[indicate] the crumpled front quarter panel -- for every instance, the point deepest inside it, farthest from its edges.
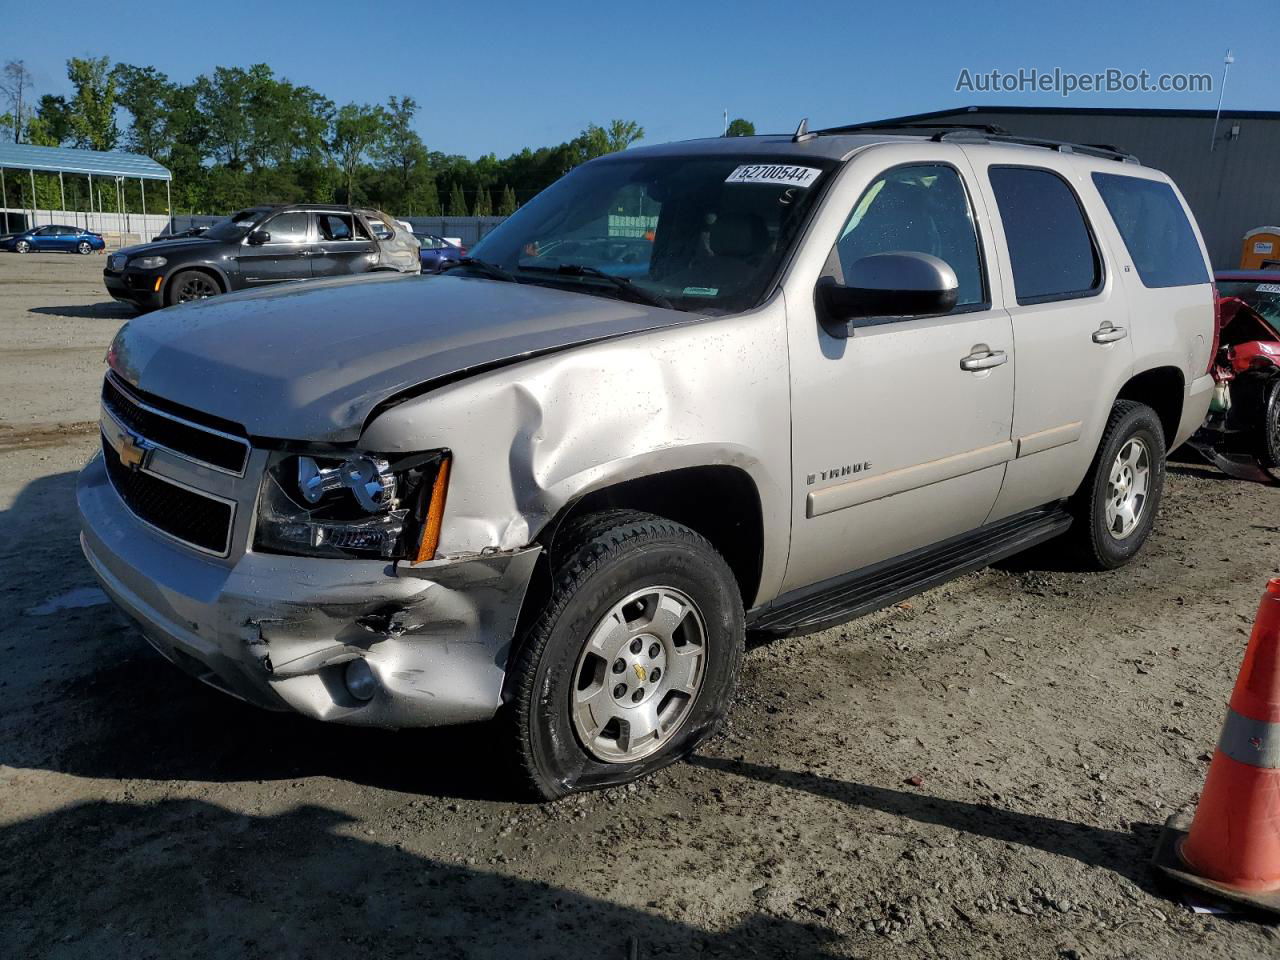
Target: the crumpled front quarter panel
(529, 438)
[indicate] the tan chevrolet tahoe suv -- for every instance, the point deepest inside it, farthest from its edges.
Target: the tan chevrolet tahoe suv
(763, 383)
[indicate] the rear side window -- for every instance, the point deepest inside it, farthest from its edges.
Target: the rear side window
(1155, 229)
(1050, 247)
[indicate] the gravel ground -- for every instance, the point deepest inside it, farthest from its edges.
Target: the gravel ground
(979, 772)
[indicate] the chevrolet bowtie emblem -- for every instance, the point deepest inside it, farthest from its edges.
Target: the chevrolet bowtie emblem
(131, 452)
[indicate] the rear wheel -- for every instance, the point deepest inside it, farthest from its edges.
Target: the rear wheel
(22, 246)
(84, 247)
(1268, 435)
(191, 285)
(1116, 505)
(632, 659)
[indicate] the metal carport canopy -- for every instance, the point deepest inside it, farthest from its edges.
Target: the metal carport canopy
(24, 156)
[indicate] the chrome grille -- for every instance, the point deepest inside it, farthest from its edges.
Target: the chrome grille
(193, 518)
(163, 428)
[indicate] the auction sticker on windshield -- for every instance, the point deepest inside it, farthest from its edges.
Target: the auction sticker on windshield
(776, 173)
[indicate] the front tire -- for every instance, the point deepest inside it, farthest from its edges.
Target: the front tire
(1116, 505)
(188, 285)
(22, 246)
(632, 659)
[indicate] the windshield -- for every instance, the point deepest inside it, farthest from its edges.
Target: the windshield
(235, 226)
(706, 233)
(1263, 297)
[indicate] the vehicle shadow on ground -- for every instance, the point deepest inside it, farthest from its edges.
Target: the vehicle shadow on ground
(1125, 853)
(185, 877)
(107, 310)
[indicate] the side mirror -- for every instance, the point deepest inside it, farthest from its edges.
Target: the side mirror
(259, 237)
(887, 285)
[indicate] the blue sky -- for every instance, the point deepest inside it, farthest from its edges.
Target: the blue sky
(498, 76)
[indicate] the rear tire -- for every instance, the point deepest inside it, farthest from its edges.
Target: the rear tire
(1115, 508)
(632, 659)
(1268, 433)
(84, 247)
(188, 285)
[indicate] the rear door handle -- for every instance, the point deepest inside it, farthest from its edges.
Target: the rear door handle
(1109, 334)
(981, 360)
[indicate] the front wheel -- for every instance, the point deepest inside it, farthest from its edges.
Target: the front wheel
(22, 246)
(1116, 505)
(632, 659)
(192, 285)
(84, 247)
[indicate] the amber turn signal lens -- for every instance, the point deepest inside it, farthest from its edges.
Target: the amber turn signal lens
(435, 515)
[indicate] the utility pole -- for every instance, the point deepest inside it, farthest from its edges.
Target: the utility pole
(1227, 61)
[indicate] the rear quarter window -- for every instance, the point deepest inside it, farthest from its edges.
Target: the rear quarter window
(1155, 230)
(1051, 248)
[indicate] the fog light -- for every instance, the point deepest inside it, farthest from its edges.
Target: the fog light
(360, 680)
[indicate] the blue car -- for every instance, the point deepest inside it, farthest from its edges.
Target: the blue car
(437, 253)
(54, 237)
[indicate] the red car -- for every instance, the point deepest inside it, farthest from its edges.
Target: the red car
(1242, 434)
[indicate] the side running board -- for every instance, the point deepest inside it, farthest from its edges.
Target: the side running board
(842, 598)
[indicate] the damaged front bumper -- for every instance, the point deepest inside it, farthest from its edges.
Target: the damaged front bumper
(279, 631)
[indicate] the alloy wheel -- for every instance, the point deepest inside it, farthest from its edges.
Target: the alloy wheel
(639, 674)
(197, 287)
(1128, 484)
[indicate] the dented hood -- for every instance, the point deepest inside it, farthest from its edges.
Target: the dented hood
(311, 362)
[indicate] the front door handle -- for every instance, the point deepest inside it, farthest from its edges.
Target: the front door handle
(1108, 333)
(983, 359)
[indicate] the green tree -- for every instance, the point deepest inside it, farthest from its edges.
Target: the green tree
(457, 202)
(50, 125)
(401, 150)
(223, 102)
(621, 134)
(740, 128)
(93, 106)
(356, 128)
(484, 204)
(426, 200)
(144, 92)
(507, 206)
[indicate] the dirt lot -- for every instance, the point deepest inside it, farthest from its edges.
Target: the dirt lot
(1053, 720)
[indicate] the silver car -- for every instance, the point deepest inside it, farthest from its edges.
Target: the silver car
(558, 484)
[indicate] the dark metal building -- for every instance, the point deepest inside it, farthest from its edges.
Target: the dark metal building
(1232, 188)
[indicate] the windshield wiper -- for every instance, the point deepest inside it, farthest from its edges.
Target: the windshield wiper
(638, 294)
(490, 270)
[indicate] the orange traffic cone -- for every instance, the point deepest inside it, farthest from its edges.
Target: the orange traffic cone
(1232, 849)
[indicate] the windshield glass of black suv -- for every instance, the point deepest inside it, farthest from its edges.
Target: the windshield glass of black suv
(707, 233)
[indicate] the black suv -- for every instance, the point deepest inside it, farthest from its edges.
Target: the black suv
(260, 246)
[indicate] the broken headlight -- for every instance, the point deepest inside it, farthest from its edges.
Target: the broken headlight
(358, 505)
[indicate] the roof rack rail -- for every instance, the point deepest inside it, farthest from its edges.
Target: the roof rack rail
(920, 127)
(1104, 150)
(986, 133)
